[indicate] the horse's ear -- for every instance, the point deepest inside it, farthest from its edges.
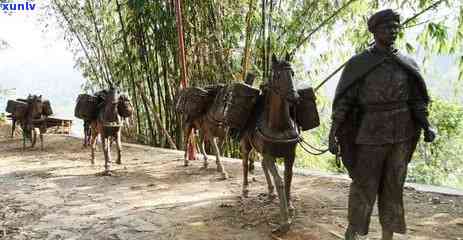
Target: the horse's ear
(40, 97)
(288, 57)
(274, 58)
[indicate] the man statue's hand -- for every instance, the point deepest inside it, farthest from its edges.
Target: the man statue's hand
(332, 143)
(429, 135)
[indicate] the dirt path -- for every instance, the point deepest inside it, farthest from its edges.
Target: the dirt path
(57, 194)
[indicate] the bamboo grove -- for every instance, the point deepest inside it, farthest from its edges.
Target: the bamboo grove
(134, 43)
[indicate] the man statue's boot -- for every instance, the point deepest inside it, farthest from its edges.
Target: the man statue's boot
(387, 235)
(351, 234)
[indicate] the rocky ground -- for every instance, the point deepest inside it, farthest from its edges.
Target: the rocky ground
(58, 194)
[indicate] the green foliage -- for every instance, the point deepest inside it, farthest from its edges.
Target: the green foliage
(2, 118)
(440, 162)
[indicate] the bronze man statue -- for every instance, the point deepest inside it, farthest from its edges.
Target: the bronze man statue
(379, 109)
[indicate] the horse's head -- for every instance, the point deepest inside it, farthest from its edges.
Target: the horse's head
(282, 82)
(110, 112)
(124, 108)
(36, 106)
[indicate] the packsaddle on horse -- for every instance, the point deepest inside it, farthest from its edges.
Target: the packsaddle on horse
(201, 111)
(105, 113)
(31, 114)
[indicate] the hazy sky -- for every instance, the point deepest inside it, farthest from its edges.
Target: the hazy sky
(37, 63)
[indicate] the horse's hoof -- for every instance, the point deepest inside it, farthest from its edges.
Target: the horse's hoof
(185, 164)
(245, 193)
(204, 167)
(291, 210)
(351, 235)
(251, 169)
(282, 229)
(118, 162)
(224, 176)
(107, 173)
(271, 196)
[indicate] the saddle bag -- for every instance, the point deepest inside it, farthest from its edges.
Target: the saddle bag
(124, 108)
(306, 110)
(47, 110)
(213, 90)
(193, 101)
(10, 106)
(17, 108)
(240, 105)
(86, 107)
(216, 111)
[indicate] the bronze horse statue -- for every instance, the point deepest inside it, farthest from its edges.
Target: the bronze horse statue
(210, 130)
(31, 120)
(108, 124)
(273, 133)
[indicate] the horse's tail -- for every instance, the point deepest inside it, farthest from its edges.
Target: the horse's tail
(13, 128)
(87, 127)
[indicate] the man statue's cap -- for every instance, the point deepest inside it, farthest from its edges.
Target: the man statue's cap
(382, 17)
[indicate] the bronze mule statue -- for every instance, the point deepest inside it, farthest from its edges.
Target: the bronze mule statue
(31, 118)
(210, 130)
(273, 133)
(108, 124)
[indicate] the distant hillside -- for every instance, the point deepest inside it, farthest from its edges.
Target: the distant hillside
(54, 78)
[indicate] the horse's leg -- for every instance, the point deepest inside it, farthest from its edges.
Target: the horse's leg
(42, 131)
(34, 137)
(285, 220)
(107, 154)
(87, 133)
(289, 162)
(188, 130)
(85, 143)
(245, 150)
(103, 146)
(13, 127)
(93, 139)
(202, 140)
(270, 187)
(89, 137)
(24, 137)
(251, 167)
(220, 167)
(118, 146)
